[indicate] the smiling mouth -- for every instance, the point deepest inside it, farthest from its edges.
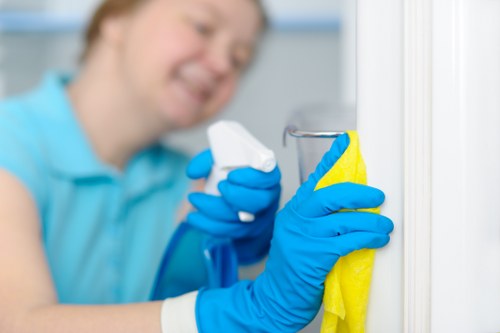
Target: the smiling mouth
(195, 92)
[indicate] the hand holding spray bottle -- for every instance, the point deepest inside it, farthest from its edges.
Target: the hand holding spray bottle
(234, 147)
(194, 257)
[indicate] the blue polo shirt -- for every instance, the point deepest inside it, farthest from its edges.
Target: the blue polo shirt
(104, 231)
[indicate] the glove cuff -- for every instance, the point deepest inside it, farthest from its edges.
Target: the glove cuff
(178, 314)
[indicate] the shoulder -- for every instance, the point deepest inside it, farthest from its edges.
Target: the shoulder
(18, 122)
(19, 134)
(21, 151)
(15, 110)
(26, 120)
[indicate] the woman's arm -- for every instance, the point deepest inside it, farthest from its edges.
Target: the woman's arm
(28, 301)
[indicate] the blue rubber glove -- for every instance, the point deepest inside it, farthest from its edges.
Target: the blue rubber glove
(246, 190)
(308, 240)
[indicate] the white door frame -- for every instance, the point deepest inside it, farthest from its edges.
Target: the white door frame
(380, 126)
(418, 83)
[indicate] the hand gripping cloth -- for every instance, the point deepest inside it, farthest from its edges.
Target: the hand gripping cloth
(347, 286)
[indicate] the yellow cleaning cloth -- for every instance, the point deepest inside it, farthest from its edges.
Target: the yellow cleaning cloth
(347, 286)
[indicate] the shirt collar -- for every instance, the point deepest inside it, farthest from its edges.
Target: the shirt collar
(70, 153)
(156, 166)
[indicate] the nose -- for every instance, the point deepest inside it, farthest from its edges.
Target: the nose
(218, 59)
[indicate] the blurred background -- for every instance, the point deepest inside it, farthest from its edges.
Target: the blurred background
(307, 58)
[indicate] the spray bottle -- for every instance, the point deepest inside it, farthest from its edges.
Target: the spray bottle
(194, 259)
(234, 147)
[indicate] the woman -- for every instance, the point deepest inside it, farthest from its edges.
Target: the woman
(88, 196)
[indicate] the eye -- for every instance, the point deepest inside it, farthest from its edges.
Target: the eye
(203, 29)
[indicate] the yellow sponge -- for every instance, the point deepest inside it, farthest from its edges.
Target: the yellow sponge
(347, 286)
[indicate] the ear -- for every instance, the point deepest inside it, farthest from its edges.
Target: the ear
(113, 29)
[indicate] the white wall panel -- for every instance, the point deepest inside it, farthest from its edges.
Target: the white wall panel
(466, 167)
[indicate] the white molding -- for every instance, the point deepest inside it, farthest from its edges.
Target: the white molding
(418, 154)
(380, 126)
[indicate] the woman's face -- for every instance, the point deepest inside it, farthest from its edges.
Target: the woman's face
(183, 58)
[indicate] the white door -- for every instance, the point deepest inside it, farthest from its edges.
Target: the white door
(429, 117)
(466, 167)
